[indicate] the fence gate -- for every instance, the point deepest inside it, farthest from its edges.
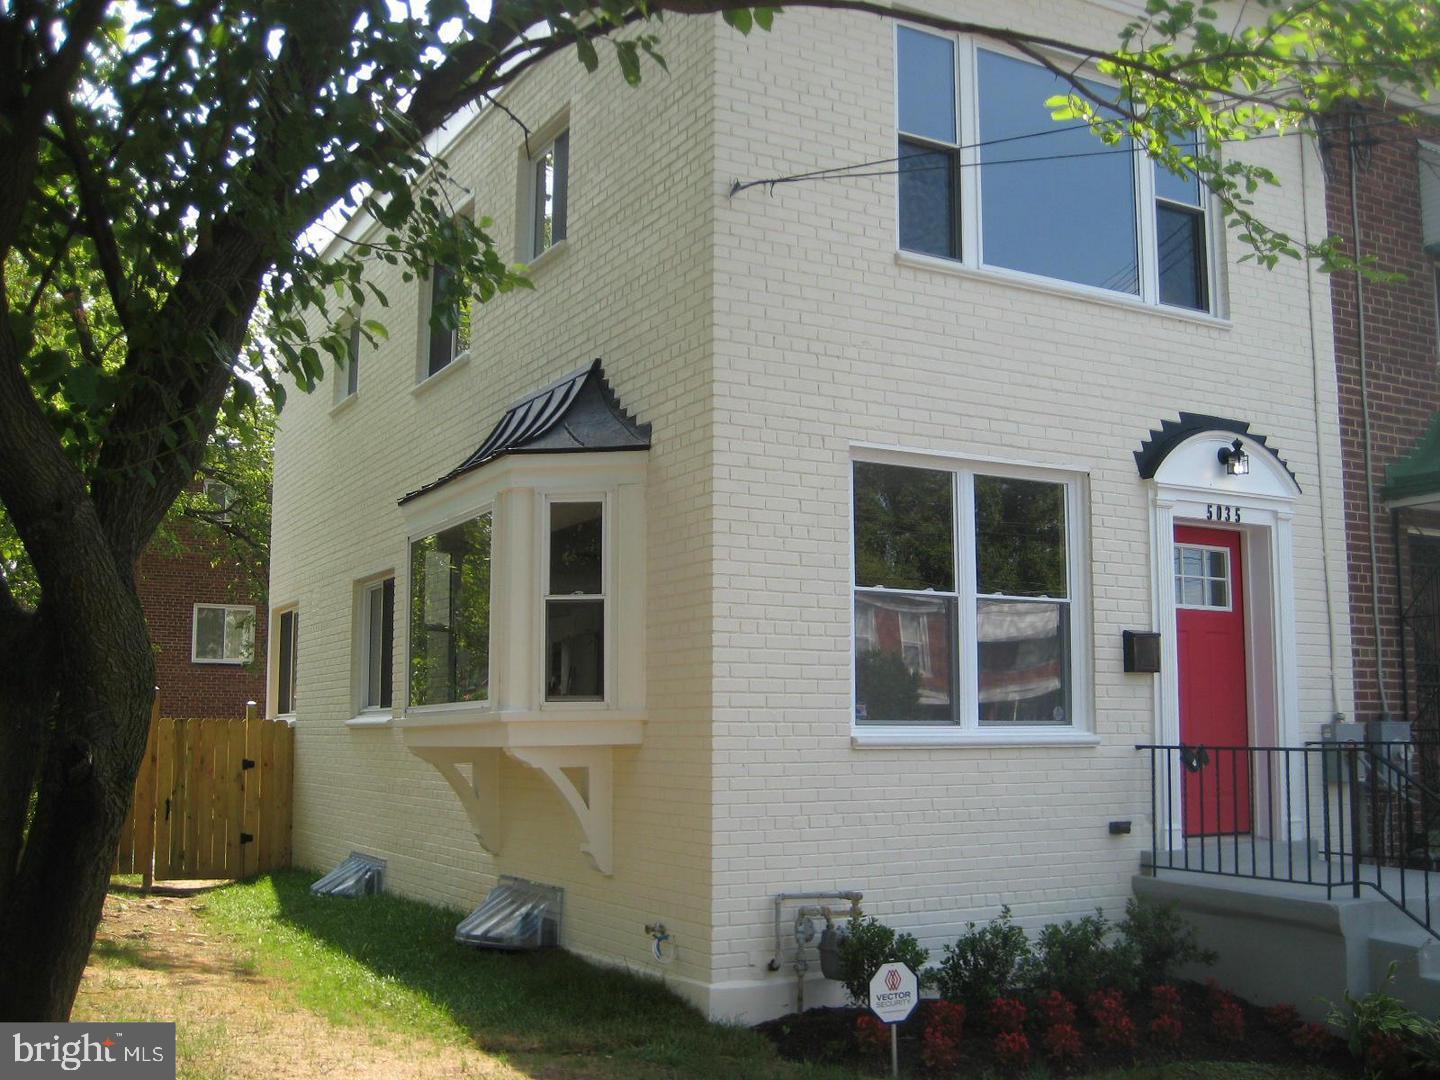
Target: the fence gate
(212, 800)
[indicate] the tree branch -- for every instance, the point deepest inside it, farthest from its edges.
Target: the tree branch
(96, 220)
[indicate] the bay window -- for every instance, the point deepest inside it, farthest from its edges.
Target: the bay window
(964, 596)
(450, 615)
(575, 603)
(988, 179)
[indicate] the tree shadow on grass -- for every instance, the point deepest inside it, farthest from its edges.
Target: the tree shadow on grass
(530, 1007)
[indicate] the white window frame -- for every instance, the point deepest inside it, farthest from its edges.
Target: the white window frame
(347, 375)
(488, 704)
(965, 653)
(967, 120)
(531, 248)
(544, 595)
(1209, 549)
(221, 495)
(368, 592)
(234, 661)
(277, 617)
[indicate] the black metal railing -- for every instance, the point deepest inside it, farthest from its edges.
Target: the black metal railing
(1345, 816)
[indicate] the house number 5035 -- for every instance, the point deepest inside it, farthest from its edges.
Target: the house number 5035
(1221, 512)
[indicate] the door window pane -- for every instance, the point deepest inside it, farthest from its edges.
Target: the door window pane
(904, 646)
(1019, 537)
(1057, 202)
(904, 527)
(1202, 577)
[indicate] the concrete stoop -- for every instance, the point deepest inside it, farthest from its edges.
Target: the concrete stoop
(1283, 942)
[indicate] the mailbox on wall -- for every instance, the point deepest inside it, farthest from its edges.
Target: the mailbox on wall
(1142, 650)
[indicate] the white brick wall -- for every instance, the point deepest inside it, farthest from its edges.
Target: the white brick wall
(762, 336)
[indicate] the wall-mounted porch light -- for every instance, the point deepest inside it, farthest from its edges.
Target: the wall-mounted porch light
(1235, 459)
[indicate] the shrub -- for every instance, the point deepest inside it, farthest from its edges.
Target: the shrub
(1166, 1029)
(948, 1018)
(1062, 1044)
(870, 943)
(1228, 1020)
(1006, 1014)
(1165, 999)
(1312, 1040)
(1104, 1001)
(1282, 1017)
(1158, 940)
(1075, 958)
(1113, 1024)
(939, 1051)
(1387, 1055)
(871, 1034)
(1056, 1008)
(984, 963)
(1383, 1032)
(1012, 1050)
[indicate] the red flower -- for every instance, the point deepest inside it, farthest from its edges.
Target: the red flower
(1057, 1008)
(1311, 1039)
(939, 1052)
(1105, 1001)
(1062, 1044)
(1282, 1017)
(871, 1034)
(1385, 1054)
(1006, 1014)
(1228, 1020)
(1012, 1050)
(1166, 1029)
(1166, 999)
(1115, 1028)
(947, 1018)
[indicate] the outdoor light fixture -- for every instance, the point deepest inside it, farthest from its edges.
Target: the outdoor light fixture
(1235, 459)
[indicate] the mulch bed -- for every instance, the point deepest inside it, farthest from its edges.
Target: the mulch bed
(829, 1036)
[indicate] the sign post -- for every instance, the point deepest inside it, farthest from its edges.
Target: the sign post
(894, 993)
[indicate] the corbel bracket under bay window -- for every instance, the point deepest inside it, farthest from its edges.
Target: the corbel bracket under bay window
(591, 802)
(474, 775)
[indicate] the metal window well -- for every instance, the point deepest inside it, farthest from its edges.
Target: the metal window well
(359, 875)
(517, 915)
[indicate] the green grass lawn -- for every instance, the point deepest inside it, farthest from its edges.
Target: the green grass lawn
(392, 963)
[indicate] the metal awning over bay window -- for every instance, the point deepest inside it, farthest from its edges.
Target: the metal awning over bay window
(526, 605)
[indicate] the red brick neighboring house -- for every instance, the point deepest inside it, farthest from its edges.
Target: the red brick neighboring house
(1388, 364)
(177, 584)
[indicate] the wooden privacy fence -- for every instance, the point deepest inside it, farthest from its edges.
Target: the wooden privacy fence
(212, 800)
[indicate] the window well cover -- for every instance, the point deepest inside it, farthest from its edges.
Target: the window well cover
(359, 875)
(517, 915)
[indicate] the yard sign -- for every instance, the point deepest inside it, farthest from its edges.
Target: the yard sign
(894, 993)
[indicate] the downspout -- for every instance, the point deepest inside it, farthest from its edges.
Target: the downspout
(1360, 346)
(1336, 714)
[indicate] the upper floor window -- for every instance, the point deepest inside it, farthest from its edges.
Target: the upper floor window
(450, 614)
(575, 603)
(989, 179)
(347, 375)
(447, 323)
(549, 191)
(223, 634)
(964, 602)
(287, 651)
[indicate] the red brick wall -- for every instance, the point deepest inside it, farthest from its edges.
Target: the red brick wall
(170, 584)
(1401, 355)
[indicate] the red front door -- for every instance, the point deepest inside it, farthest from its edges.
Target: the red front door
(1214, 722)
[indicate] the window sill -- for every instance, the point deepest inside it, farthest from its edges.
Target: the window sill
(911, 737)
(344, 403)
(287, 718)
(553, 254)
(1054, 287)
(430, 380)
(370, 719)
(223, 663)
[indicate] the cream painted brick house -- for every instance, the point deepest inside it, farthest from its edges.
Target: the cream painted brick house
(761, 681)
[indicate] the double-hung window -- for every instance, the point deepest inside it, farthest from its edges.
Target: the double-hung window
(988, 179)
(450, 614)
(223, 634)
(964, 596)
(549, 194)
(377, 651)
(448, 323)
(347, 381)
(287, 652)
(575, 602)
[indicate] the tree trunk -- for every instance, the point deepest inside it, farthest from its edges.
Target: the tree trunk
(94, 704)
